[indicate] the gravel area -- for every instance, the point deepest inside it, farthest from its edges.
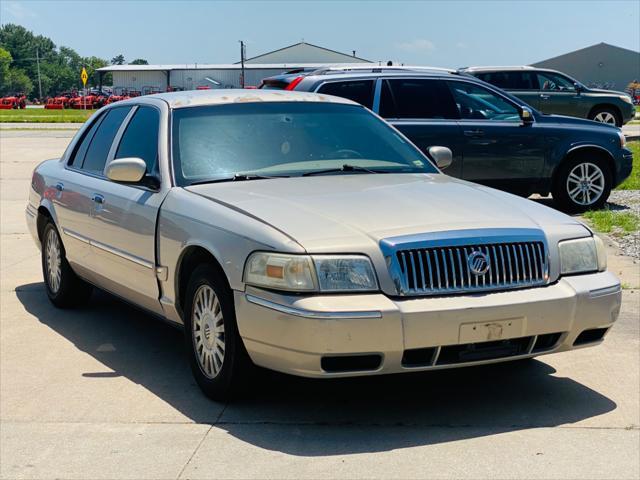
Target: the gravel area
(626, 201)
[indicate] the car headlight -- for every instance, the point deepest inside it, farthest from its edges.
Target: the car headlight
(304, 273)
(582, 255)
(623, 139)
(626, 98)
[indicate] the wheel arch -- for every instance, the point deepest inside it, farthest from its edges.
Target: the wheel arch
(603, 106)
(191, 257)
(580, 150)
(44, 215)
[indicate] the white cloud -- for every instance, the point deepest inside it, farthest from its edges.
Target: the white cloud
(417, 45)
(17, 10)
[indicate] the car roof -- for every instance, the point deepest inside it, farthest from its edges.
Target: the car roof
(192, 98)
(503, 69)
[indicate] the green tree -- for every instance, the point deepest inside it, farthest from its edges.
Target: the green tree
(5, 63)
(118, 60)
(139, 61)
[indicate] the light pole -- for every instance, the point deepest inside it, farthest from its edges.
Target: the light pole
(39, 80)
(242, 63)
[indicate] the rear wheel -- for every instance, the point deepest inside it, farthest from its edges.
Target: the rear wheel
(218, 359)
(582, 184)
(606, 115)
(64, 288)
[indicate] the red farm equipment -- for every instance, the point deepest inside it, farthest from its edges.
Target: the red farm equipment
(59, 102)
(88, 102)
(12, 102)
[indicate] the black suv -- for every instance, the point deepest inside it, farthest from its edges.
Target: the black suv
(496, 139)
(554, 92)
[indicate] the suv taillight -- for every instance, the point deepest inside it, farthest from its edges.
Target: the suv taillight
(294, 83)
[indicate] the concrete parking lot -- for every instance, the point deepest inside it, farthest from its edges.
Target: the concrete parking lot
(105, 392)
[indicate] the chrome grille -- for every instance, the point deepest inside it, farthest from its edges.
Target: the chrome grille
(444, 267)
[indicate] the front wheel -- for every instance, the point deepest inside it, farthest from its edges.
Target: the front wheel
(606, 115)
(64, 288)
(218, 359)
(582, 184)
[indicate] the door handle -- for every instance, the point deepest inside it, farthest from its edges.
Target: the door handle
(474, 133)
(97, 198)
(544, 96)
(59, 186)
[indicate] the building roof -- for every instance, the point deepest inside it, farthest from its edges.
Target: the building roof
(216, 66)
(597, 46)
(296, 46)
(225, 96)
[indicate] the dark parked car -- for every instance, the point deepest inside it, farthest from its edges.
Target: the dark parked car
(496, 139)
(555, 92)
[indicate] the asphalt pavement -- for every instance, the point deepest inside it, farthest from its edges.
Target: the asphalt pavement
(105, 392)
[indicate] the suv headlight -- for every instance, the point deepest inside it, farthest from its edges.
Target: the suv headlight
(626, 98)
(306, 273)
(582, 255)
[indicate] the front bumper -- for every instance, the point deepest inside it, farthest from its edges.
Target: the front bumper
(296, 335)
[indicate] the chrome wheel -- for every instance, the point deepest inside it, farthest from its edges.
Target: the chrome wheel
(207, 328)
(53, 260)
(605, 117)
(585, 184)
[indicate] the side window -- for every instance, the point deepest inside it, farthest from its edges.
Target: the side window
(81, 149)
(477, 103)
(140, 139)
(514, 80)
(554, 82)
(96, 155)
(417, 98)
(360, 91)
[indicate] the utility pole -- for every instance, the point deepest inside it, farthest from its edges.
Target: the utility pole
(39, 80)
(242, 63)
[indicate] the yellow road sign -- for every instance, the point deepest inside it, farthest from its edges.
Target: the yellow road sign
(84, 77)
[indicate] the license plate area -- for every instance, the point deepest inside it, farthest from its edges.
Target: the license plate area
(491, 331)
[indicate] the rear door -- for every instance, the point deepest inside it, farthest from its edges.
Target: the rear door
(521, 83)
(125, 215)
(499, 149)
(423, 109)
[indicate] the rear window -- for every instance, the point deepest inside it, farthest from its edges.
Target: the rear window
(417, 98)
(510, 80)
(360, 91)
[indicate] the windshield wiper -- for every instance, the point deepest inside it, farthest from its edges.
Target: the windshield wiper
(345, 168)
(238, 177)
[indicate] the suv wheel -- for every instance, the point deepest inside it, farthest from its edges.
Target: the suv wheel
(582, 184)
(64, 287)
(606, 115)
(218, 359)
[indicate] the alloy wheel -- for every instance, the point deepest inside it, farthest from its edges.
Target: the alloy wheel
(53, 260)
(585, 183)
(207, 327)
(605, 117)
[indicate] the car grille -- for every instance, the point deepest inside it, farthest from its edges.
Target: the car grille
(459, 267)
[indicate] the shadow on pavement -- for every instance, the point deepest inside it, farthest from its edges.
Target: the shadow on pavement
(323, 417)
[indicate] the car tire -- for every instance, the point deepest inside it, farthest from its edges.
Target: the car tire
(64, 288)
(217, 356)
(582, 183)
(606, 115)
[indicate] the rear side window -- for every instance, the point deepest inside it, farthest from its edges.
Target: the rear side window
(140, 139)
(94, 156)
(511, 80)
(417, 98)
(81, 150)
(360, 91)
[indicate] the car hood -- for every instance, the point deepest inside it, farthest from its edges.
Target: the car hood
(606, 92)
(578, 122)
(339, 212)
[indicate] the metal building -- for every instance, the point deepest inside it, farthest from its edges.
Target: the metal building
(600, 66)
(154, 78)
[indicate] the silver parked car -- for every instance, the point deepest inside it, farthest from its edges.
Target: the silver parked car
(302, 233)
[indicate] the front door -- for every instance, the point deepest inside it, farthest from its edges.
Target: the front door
(558, 95)
(424, 111)
(499, 149)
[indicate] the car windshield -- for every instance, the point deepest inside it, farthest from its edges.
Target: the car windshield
(287, 139)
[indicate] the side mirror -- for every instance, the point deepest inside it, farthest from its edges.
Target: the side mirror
(578, 86)
(126, 170)
(526, 115)
(442, 156)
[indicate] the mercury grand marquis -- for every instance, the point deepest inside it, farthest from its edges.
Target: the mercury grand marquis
(302, 233)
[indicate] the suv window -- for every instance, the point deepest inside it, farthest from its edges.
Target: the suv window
(101, 140)
(477, 103)
(360, 91)
(555, 82)
(416, 98)
(140, 139)
(511, 80)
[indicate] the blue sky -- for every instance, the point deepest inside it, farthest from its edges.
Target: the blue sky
(439, 33)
